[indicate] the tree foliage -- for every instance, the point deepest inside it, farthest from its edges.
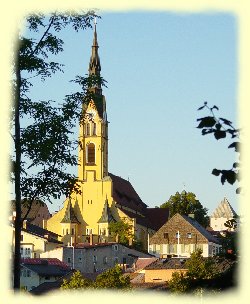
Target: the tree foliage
(110, 279)
(221, 128)
(199, 269)
(187, 203)
(76, 281)
(123, 230)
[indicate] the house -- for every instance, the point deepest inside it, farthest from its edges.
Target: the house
(180, 236)
(162, 269)
(35, 240)
(104, 197)
(96, 257)
(221, 215)
(37, 271)
(38, 213)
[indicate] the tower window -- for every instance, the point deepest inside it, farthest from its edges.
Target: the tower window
(88, 129)
(91, 153)
(94, 128)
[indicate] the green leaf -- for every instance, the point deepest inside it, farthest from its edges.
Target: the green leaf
(206, 122)
(216, 172)
(218, 134)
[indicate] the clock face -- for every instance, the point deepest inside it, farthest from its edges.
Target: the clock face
(91, 115)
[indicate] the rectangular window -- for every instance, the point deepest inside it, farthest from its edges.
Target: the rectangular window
(177, 235)
(94, 258)
(165, 235)
(189, 235)
(69, 260)
(72, 231)
(115, 247)
(105, 260)
(89, 231)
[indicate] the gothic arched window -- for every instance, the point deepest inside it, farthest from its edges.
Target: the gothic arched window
(90, 153)
(87, 129)
(94, 128)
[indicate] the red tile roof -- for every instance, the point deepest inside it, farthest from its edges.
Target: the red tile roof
(42, 261)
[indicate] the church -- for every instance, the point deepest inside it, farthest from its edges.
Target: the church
(104, 197)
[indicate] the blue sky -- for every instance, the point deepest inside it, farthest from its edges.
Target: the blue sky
(160, 67)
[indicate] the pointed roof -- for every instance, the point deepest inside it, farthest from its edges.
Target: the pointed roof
(69, 216)
(176, 223)
(94, 64)
(107, 216)
(224, 210)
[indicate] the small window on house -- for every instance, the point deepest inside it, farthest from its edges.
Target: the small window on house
(67, 231)
(69, 260)
(165, 235)
(72, 231)
(189, 235)
(105, 260)
(91, 153)
(94, 258)
(177, 235)
(115, 247)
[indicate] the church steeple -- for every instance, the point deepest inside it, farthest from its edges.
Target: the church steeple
(94, 63)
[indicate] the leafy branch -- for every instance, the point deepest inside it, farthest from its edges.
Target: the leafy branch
(221, 128)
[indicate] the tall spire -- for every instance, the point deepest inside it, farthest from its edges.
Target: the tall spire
(94, 64)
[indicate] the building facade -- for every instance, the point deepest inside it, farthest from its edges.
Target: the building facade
(181, 236)
(97, 257)
(221, 215)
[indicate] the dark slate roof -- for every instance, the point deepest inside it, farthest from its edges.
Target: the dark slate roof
(172, 263)
(41, 232)
(46, 267)
(222, 264)
(69, 215)
(125, 195)
(157, 217)
(107, 216)
(36, 205)
(141, 220)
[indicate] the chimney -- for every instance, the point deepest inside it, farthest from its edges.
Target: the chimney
(25, 224)
(91, 239)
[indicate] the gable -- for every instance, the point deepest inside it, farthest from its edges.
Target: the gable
(185, 225)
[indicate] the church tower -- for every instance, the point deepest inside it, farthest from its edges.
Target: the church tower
(93, 151)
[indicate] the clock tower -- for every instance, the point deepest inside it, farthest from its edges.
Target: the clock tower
(93, 151)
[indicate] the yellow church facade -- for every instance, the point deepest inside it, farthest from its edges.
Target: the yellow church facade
(104, 197)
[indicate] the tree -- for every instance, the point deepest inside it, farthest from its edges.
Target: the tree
(76, 281)
(110, 279)
(113, 278)
(123, 230)
(221, 128)
(43, 148)
(199, 270)
(186, 203)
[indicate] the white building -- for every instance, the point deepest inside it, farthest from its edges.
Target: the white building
(221, 214)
